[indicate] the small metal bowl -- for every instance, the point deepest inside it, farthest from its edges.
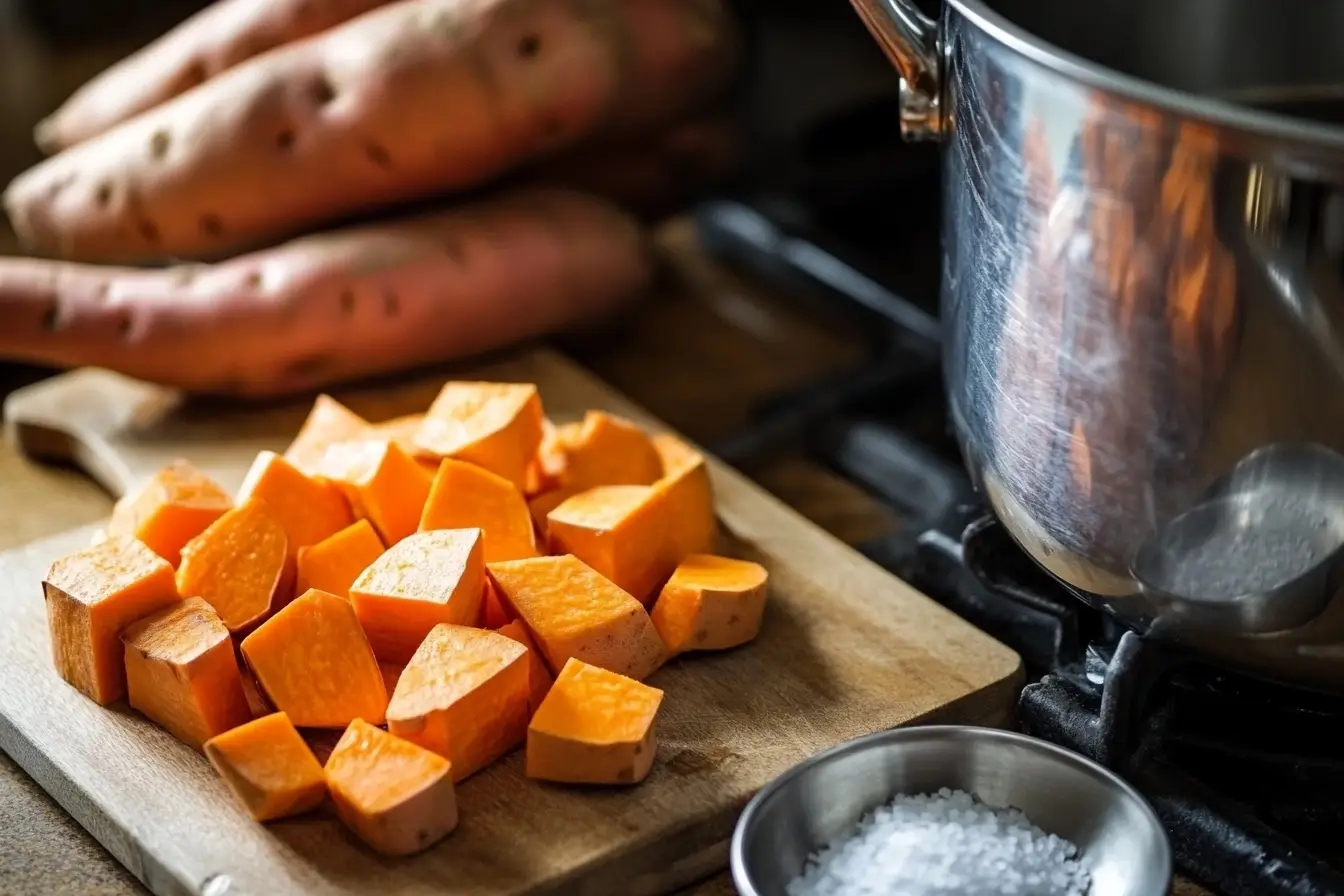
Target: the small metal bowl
(1061, 792)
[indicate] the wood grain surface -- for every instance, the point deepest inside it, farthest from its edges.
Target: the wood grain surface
(846, 649)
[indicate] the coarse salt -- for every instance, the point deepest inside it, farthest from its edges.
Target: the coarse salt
(940, 844)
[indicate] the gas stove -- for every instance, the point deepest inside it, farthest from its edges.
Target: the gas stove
(1248, 777)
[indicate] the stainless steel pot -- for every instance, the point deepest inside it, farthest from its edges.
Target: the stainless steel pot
(1143, 301)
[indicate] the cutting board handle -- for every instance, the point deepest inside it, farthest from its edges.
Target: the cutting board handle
(92, 418)
(121, 431)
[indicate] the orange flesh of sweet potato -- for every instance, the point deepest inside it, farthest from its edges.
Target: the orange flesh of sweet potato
(395, 796)
(594, 727)
(256, 701)
(618, 530)
(210, 42)
(268, 767)
(463, 695)
(240, 565)
(492, 425)
(327, 424)
(181, 672)
(401, 430)
(493, 612)
(309, 509)
(540, 507)
(573, 611)
(314, 663)
(333, 564)
(539, 677)
(607, 450)
(91, 596)
(383, 484)
(175, 506)
(426, 579)
(546, 470)
(711, 603)
(391, 675)
(688, 497)
(465, 496)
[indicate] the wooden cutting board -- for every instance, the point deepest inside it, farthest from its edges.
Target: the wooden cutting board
(846, 649)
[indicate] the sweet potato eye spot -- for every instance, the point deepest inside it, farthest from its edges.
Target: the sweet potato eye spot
(159, 144)
(379, 155)
(195, 74)
(321, 92)
(529, 46)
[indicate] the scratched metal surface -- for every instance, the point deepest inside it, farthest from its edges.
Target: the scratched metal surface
(1134, 299)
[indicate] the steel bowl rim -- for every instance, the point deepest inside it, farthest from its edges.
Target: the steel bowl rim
(1062, 755)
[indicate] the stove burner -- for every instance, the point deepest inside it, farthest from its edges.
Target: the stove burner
(1233, 809)
(1246, 776)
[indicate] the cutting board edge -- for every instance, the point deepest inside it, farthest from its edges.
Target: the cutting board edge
(97, 820)
(724, 820)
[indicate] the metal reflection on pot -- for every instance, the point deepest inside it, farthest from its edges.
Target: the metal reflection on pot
(1142, 286)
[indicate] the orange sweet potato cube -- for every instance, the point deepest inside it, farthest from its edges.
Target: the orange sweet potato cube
(395, 796)
(401, 430)
(492, 425)
(91, 596)
(313, 663)
(465, 496)
(547, 469)
(688, 498)
(618, 530)
(541, 506)
(428, 578)
(328, 423)
(240, 565)
(181, 672)
(539, 677)
(268, 767)
(333, 564)
(607, 450)
(383, 484)
(710, 603)
(493, 612)
(463, 695)
(594, 727)
(309, 509)
(175, 506)
(574, 611)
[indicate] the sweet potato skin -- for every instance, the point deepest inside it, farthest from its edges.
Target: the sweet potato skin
(335, 306)
(212, 41)
(360, 106)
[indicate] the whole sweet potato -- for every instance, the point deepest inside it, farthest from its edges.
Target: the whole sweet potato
(334, 306)
(214, 40)
(415, 98)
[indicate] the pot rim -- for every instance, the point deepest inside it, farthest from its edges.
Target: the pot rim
(1220, 112)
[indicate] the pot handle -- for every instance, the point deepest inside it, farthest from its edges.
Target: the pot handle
(911, 41)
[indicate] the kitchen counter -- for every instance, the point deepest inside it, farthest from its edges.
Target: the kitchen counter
(698, 354)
